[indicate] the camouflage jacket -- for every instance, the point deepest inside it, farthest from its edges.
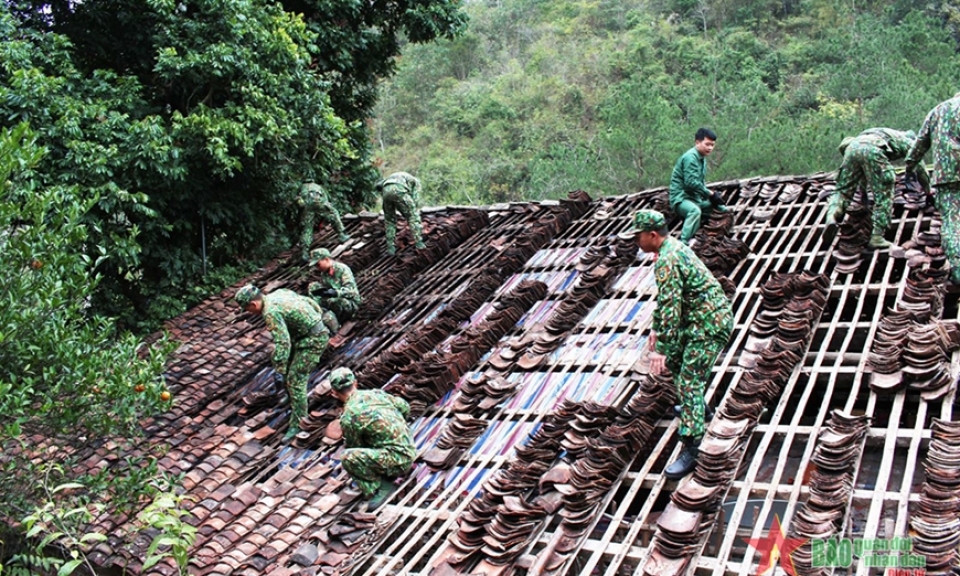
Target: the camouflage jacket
(688, 180)
(691, 304)
(340, 278)
(290, 317)
(895, 144)
(941, 131)
(407, 182)
(375, 419)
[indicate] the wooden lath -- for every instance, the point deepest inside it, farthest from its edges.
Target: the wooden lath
(831, 375)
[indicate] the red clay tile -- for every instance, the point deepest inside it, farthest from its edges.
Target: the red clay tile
(248, 494)
(317, 471)
(223, 491)
(257, 540)
(235, 507)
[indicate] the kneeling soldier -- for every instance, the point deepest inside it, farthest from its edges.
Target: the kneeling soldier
(379, 444)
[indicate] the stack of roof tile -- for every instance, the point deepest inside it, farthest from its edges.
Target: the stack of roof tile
(937, 520)
(522, 473)
(720, 251)
(854, 236)
(601, 269)
(822, 516)
(607, 455)
(458, 435)
(424, 338)
(464, 225)
(427, 381)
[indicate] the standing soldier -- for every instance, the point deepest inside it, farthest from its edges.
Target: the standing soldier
(316, 206)
(867, 164)
(401, 193)
(299, 338)
(941, 129)
(692, 323)
(336, 290)
(379, 444)
(689, 196)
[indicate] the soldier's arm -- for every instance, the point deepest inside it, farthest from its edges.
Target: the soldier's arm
(415, 187)
(401, 405)
(350, 439)
(923, 177)
(669, 306)
(281, 341)
(348, 287)
(922, 144)
(313, 288)
(693, 183)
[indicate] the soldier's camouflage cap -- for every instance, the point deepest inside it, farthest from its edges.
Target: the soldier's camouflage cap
(648, 221)
(246, 295)
(342, 378)
(318, 254)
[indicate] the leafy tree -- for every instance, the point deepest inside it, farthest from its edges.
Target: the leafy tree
(67, 378)
(192, 123)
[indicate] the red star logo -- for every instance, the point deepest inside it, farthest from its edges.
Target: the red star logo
(775, 546)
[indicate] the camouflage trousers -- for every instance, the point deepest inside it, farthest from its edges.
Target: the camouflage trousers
(865, 165)
(368, 466)
(304, 357)
(396, 200)
(692, 212)
(690, 375)
(947, 199)
(342, 308)
(308, 221)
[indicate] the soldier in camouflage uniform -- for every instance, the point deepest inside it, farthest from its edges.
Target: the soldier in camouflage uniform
(316, 206)
(689, 196)
(401, 193)
(941, 130)
(867, 163)
(379, 444)
(692, 323)
(337, 290)
(299, 338)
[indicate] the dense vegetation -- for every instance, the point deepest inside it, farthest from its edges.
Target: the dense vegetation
(66, 378)
(149, 153)
(540, 97)
(189, 125)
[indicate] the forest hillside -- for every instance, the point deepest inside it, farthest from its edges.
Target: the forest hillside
(539, 97)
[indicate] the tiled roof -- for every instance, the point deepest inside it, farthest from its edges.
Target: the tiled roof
(516, 338)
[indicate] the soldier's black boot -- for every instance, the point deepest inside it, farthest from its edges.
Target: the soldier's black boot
(707, 412)
(687, 460)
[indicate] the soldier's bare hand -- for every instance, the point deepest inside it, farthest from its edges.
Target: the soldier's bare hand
(657, 363)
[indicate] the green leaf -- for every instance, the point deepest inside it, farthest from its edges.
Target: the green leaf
(69, 567)
(93, 537)
(151, 561)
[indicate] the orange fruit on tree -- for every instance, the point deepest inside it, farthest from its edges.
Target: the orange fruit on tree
(139, 388)
(165, 396)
